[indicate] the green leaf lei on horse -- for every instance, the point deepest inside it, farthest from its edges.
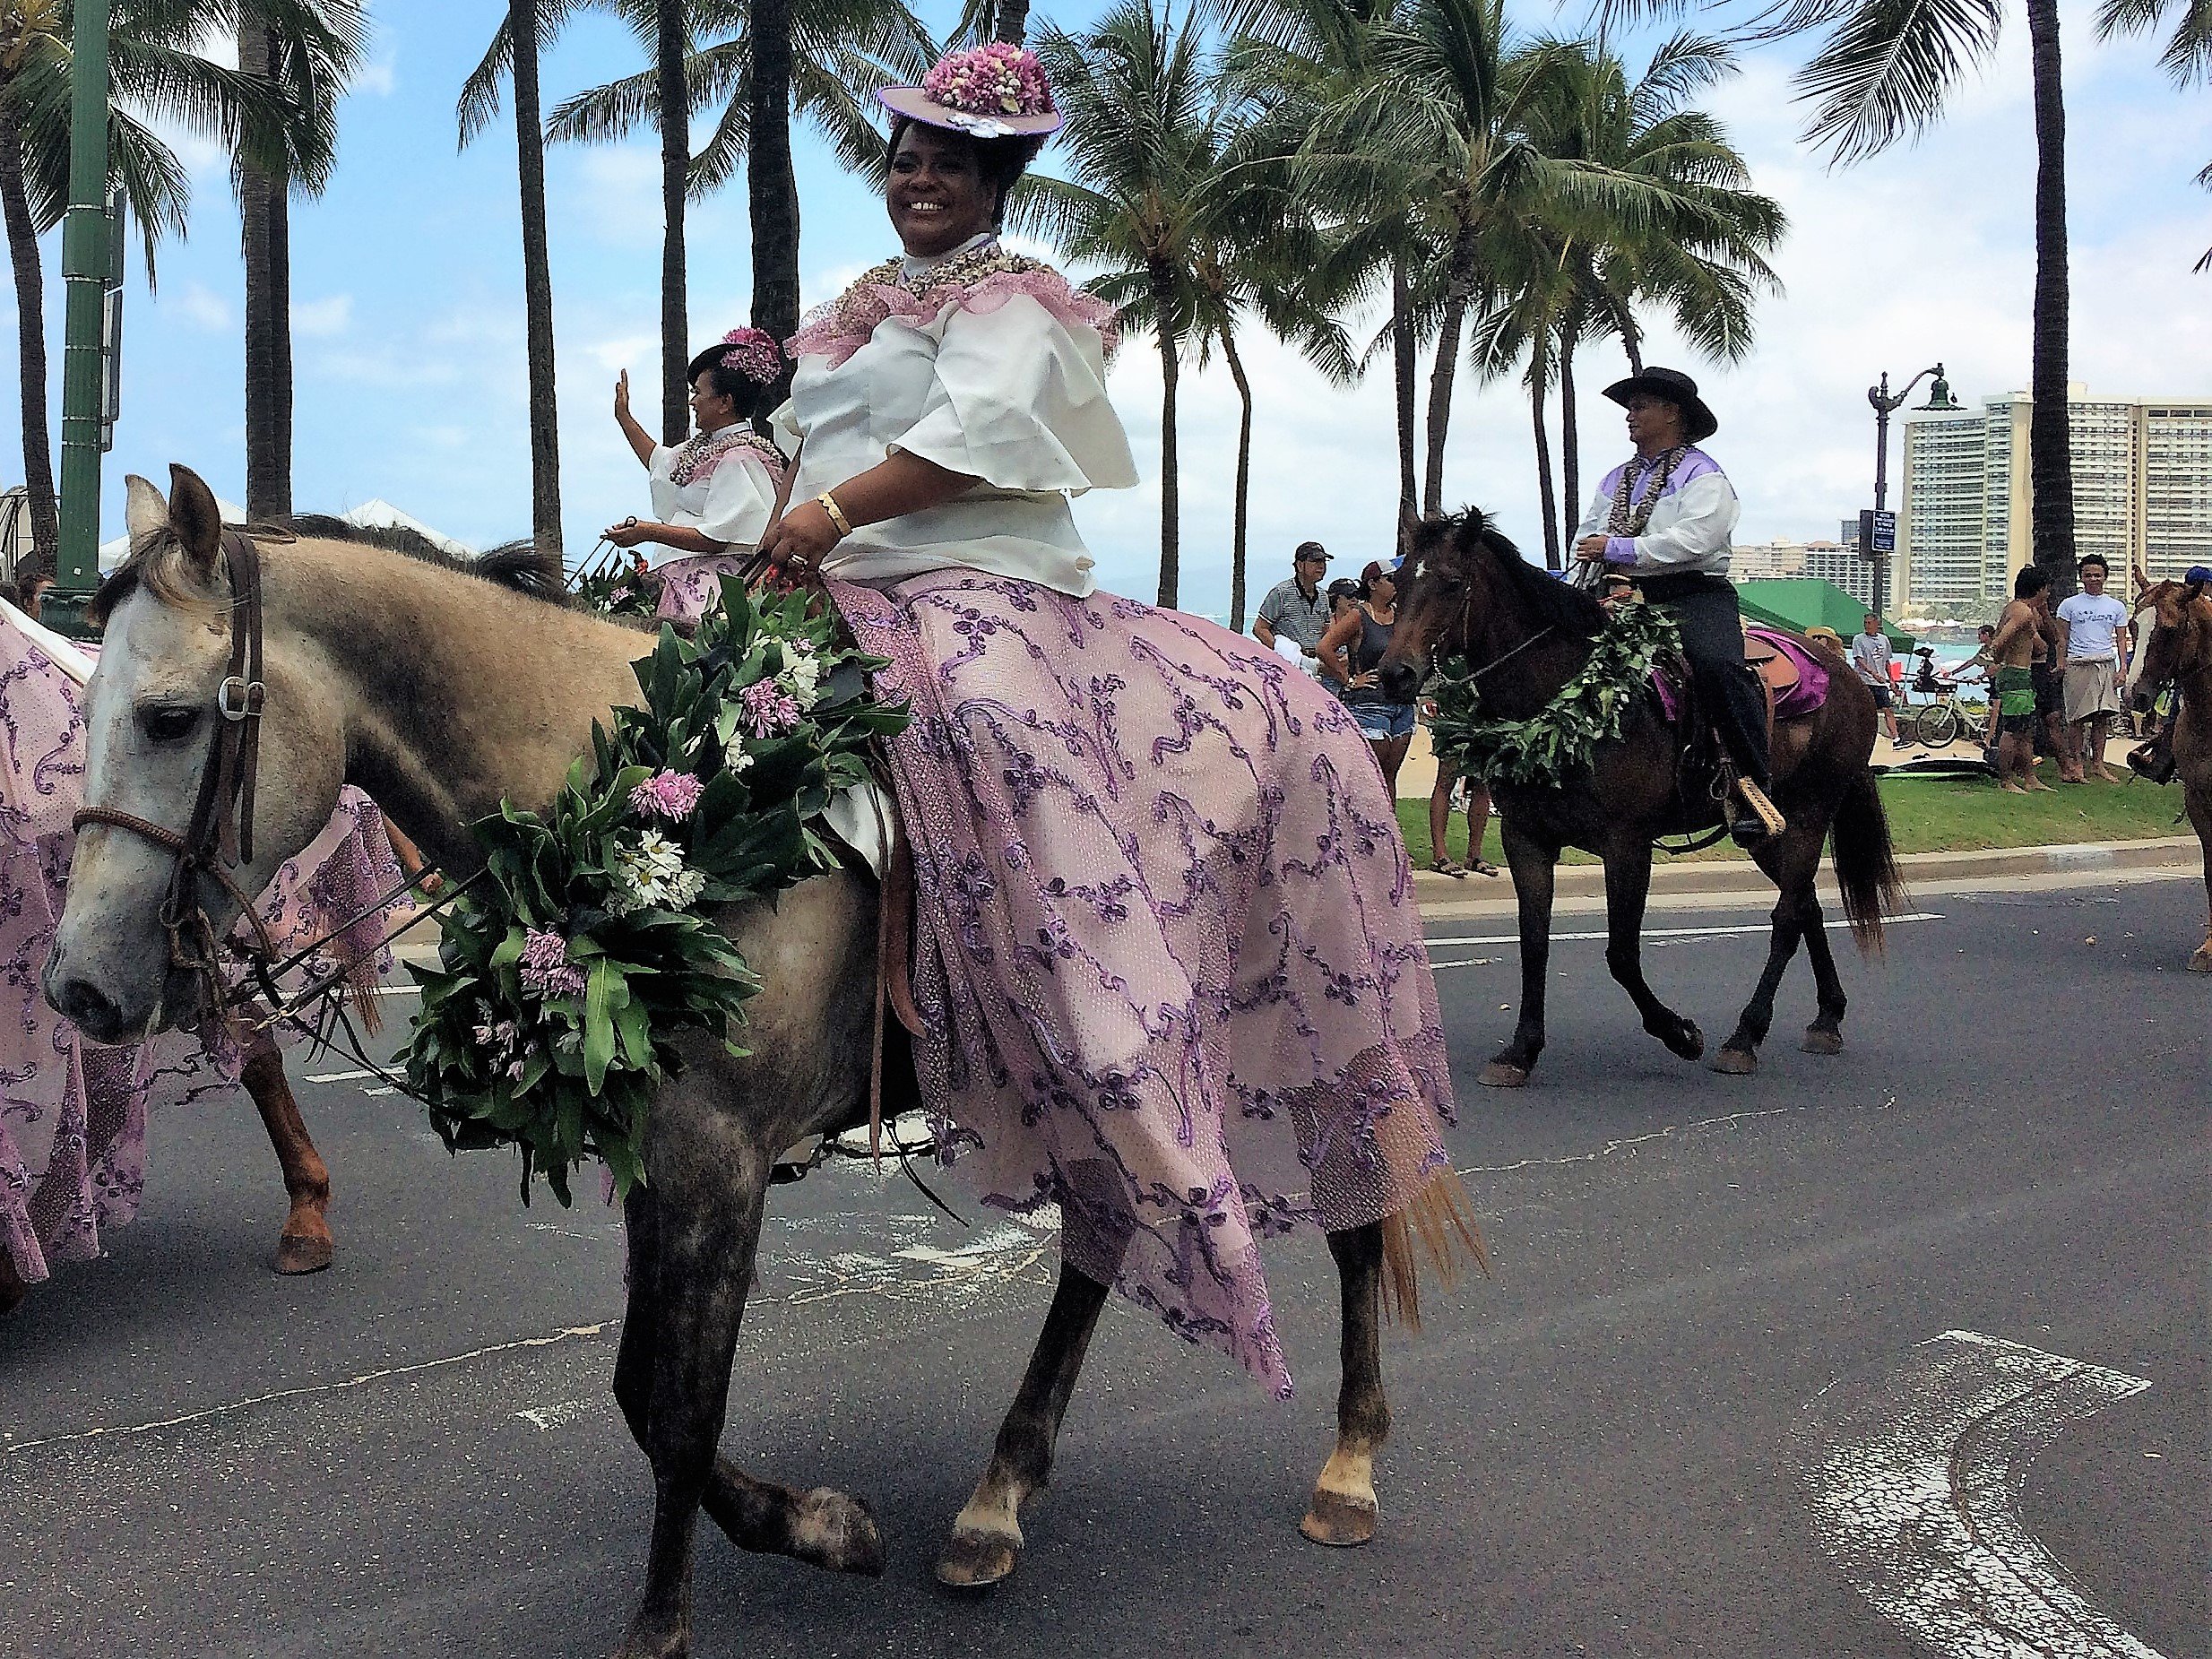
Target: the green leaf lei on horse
(1588, 710)
(570, 967)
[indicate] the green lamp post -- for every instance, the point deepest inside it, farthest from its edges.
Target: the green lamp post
(85, 275)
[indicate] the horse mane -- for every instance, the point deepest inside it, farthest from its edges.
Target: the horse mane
(1539, 591)
(520, 567)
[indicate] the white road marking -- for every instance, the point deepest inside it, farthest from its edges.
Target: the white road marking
(338, 1076)
(1915, 1475)
(231, 1408)
(1659, 933)
(544, 1417)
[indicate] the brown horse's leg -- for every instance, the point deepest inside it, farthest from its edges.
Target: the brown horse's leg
(1627, 888)
(12, 1289)
(1343, 1510)
(1534, 879)
(1824, 1035)
(822, 1528)
(305, 1246)
(987, 1535)
(2201, 816)
(1791, 864)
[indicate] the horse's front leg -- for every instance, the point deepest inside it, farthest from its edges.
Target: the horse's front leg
(985, 1542)
(1343, 1508)
(709, 1182)
(1627, 888)
(823, 1527)
(2200, 817)
(1534, 879)
(306, 1245)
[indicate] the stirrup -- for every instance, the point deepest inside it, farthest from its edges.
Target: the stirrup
(1755, 798)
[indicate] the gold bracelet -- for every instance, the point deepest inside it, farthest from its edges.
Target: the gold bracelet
(828, 504)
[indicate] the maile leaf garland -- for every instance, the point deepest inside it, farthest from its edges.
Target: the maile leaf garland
(1588, 710)
(569, 971)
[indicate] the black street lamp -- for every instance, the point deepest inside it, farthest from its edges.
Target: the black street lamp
(1938, 397)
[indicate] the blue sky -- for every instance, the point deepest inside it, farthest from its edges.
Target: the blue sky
(409, 326)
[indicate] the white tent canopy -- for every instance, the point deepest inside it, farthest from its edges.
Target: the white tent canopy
(376, 514)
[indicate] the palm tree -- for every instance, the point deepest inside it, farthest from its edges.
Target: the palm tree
(2187, 56)
(841, 52)
(516, 50)
(154, 74)
(1144, 129)
(303, 51)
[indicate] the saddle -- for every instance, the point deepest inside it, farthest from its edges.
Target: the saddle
(1778, 675)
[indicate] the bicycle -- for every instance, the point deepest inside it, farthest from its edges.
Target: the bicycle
(1939, 722)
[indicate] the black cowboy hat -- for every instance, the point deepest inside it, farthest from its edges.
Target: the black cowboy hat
(1677, 388)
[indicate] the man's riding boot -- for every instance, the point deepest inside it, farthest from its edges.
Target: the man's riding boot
(1760, 821)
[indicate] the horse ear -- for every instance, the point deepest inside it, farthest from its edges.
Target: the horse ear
(145, 513)
(194, 519)
(1410, 524)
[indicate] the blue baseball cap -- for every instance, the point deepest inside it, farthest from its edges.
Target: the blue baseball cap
(2199, 573)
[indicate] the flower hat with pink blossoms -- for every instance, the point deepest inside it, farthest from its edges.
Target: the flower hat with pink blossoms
(989, 92)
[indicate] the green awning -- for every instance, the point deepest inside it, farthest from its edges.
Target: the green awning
(1801, 602)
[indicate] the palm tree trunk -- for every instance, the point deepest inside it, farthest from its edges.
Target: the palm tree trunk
(2050, 447)
(1240, 517)
(1537, 377)
(772, 187)
(1402, 352)
(1012, 21)
(1171, 491)
(268, 324)
(674, 97)
(545, 448)
(30, 340)
(1570, 434)
(1457, 294)
(279, 281)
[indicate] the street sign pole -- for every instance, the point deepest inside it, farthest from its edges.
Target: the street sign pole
(84, 277)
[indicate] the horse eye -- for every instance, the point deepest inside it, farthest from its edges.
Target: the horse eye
(167, 724)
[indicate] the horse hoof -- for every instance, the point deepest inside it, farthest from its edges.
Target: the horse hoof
(634, 1647)
(839, 1532)
(1819, 1041)
(2202, 963)
(1688, 1043)
(1735, 1062)
(1339, 1522)
(976, 1560)
(298, 1253)
(1502, 1074)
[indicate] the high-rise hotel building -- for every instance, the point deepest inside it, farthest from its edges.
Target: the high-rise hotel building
(2142, 493)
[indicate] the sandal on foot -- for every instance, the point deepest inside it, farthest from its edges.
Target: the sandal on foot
(1483, 867)
(1446, 866)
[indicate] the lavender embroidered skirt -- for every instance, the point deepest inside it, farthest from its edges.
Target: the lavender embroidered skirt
(73, 1114)
(1167, 951)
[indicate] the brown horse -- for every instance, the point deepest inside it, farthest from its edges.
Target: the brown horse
(2179, 654)
(442, 696)
(1468, 592)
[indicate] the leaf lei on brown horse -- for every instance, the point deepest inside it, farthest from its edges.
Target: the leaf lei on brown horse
(1544, 749)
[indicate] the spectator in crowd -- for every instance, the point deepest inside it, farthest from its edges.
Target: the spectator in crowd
(33, 591)
(1351, 652)
(1984, 637)
(2094, 625)
(2051, 735)
(1296, 608)
(1477, 801)
(1870, 657)
(2018, 647)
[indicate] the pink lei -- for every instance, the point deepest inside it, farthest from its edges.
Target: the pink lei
(698, 456)
(981, 281)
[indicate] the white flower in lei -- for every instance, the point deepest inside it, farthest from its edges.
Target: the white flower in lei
(652, 874)
(802, 678)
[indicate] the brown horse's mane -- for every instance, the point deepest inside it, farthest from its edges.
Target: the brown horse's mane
(158, 563)
(1539, 592)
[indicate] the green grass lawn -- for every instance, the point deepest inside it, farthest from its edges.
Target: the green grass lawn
(1940, 815)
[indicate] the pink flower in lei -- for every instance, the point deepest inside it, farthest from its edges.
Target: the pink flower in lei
(767, 709)
(981, 281)
(753, 353)
(667, 795)
(995, 79)
(545, 967)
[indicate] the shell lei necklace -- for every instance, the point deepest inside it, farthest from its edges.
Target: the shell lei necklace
(1630, 515)
(700, 453)
(962, 270)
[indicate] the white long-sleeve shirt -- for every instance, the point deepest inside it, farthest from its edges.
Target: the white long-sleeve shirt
(727, 500)
(1690, 525)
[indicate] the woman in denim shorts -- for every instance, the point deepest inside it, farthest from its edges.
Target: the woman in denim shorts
(1351, 652)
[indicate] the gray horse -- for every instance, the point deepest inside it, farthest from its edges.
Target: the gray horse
(441, 695)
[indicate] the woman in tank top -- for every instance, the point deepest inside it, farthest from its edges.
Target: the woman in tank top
(1351, 650)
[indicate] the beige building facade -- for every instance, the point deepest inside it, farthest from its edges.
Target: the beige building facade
(2142, 493)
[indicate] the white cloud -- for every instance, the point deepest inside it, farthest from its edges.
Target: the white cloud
(380, 79)
(199, 306)
(322, 318)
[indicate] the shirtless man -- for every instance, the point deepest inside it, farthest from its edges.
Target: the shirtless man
(2018, 646)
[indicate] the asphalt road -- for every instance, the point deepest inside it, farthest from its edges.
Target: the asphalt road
(1627, 1442)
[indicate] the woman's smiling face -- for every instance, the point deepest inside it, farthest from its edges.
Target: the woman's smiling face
(937, 196)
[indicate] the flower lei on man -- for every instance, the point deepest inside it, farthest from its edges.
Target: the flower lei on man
(567, 973)
(1561, 739)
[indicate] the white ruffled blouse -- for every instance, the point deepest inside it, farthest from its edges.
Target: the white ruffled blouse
(728, 499)
(1004, 380)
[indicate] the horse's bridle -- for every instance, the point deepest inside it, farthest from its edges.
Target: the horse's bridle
(220, 837)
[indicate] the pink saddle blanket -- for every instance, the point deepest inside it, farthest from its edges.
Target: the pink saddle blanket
(1800, 700)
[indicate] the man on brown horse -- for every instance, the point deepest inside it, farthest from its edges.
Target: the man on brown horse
(1664, 518)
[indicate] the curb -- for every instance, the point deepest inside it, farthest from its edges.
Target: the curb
(2180, 854)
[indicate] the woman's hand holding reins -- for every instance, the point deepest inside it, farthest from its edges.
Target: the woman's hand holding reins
(801, 539)
(630, 532)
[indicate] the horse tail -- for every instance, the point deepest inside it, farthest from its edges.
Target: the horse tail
(1866, 865)
(1441, 1216)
